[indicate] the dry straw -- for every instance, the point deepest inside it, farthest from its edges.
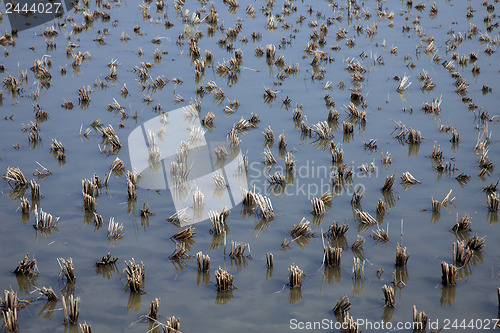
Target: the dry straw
(71, 308)
(295, 276)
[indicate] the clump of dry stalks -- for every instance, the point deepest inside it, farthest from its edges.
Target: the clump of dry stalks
(203, 262)
(389, 182)
(264, 205)
(358, 268)
(448, 274)
(107, 260)
(302, 229)
(115, 230)
(27, 267)
(320, 204)
(493, 201)
(295, 276)
(389, 295)
(15, 175)
(462, 254)
(401, 255)
(408, 179)
(218, 221)
(358, 244)
(381, 235)
(332, 255)
(135, 276)
(463, 224)
(67, 269)
(364, 217)
(48, 292)
(269, 260)
(336, 230)
(436, 205)
(238, 250)
(184, 235)
(85, 328)
(71, 308)
(419, 319)
(342, 307)
(154, 307)
(224, 280)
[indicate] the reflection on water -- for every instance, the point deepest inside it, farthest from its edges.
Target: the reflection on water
(358, 285)
(447, 296)
(134, 302)
(387, 314)
(26, 283)
(106, 271)
(47, 310)
(223, 297)
(332, 273)
(295, 295)
(203, 278)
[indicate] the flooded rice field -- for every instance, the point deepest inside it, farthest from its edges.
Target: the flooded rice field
(271, 165)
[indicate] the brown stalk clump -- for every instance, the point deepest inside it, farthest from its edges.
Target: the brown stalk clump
(224, 280)
(448, 274)
(135, 276)
(390, 298)
(203, 262)
(296, 276)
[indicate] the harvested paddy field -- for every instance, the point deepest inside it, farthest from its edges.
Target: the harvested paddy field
(270, 165)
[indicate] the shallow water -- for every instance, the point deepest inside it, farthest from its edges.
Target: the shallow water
(262, 300)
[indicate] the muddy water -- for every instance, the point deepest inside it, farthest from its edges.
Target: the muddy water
(262, 300)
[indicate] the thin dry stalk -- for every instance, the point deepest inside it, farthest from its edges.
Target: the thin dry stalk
(295, 276)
